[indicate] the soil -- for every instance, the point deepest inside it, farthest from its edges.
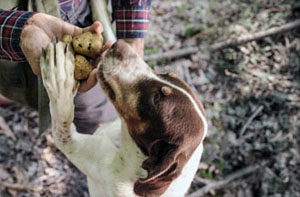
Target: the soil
(251, 94)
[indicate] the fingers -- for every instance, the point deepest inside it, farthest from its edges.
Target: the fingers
(35, 67)
(73, 30)
(96, 27)
(90, 82)
(69, 29)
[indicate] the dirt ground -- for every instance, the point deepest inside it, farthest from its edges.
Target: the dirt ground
(251, 94)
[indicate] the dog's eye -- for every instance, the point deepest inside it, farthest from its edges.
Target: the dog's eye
(157, 98)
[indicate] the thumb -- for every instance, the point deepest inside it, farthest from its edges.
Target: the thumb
(96, 27)
(89, 82)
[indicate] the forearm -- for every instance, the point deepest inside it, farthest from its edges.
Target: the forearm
(11, 25)
(132, 21)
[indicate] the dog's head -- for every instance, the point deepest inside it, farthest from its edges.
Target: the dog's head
(163, 116)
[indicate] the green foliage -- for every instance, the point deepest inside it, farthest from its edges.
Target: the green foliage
(191, 30)
(149, 51)
(181, 8)
(152, 63)
(206, 174)
(220, 165)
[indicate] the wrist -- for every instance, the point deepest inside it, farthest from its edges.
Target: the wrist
(30, 24)
(32, 39)
(137, 44)
(28, 27)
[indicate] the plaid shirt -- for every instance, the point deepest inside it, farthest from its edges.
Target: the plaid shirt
(131, 16)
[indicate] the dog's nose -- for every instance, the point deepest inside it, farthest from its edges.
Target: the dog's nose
(114, 45)
(120, 49)
(118, 44)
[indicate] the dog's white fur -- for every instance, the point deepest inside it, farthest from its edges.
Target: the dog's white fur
(109, 158)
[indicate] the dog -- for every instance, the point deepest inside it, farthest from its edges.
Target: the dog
(152, 149)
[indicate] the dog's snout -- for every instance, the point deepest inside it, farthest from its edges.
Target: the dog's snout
(120, 49)
(119, 44)
(114, 45)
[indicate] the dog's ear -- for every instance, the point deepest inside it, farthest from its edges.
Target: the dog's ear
(164, 164)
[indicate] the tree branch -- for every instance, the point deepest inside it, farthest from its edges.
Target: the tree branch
(255, 36)
(246, 125)
(172, 54)
(16, 186)
(219, 184)
(6, 130)
(232, 42)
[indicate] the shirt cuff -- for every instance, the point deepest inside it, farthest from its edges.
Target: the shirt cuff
(132, 22)
(11, 26)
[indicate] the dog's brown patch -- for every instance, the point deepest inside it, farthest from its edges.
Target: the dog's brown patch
(174, 133)
(172, 78)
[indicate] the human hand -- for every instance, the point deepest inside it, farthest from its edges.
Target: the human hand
(41, 29)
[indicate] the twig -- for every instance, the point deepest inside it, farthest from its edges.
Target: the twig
(204, 32)
(271, 10)
(6, 130)
(227, 180)
(232, 42)
(172, 54)
(250, 119)
(256, 36)
(202, 180)
(16, 186)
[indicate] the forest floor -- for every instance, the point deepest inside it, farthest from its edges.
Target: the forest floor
(251, 94)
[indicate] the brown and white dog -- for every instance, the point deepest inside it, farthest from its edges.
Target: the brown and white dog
(152, 149)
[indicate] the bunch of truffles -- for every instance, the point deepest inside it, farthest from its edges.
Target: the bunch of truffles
(84, 47)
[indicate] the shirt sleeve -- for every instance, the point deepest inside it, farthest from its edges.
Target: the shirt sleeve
(11, 25)
(132, 17)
